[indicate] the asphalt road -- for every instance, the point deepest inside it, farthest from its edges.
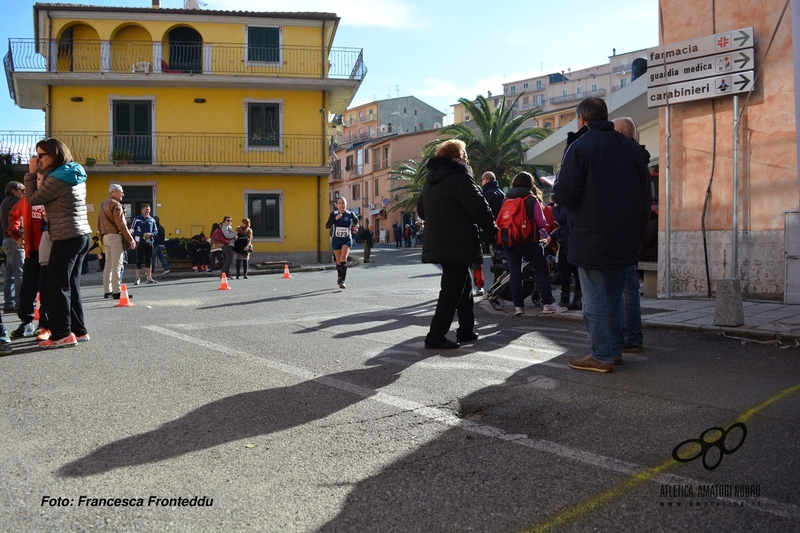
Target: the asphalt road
(289, 405)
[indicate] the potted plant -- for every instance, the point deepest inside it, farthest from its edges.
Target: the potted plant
(121, 156)
(90, 161)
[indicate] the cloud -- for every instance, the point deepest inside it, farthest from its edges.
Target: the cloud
(384, 14)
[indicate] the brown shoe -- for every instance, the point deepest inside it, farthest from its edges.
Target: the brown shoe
(593, 365)
(616, 360)
(632, 349)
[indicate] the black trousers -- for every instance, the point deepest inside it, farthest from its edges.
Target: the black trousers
(566, 270)
(65, 311)
(30, 286)
(455, 296)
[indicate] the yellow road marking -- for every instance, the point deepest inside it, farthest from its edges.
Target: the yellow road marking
(596, 502)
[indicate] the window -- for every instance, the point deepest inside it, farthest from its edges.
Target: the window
(539, 99)
(525, 85)
(366, 156)
(356, 192)
(375, 188)
(513, 89)
(623, 82)
(263, 44)
(564, 92)
(376, 156)
(351, 120)
(594, 87)
(366, 191)
(548, 124)
(538, 85)
(415, 112)
(579, 90)
(385, 163)
(263, 210)
(132, 128)
(263, 124)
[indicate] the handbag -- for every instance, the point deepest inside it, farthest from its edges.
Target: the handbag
(219, 237)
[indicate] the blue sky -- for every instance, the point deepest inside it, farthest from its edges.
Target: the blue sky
(435, 50)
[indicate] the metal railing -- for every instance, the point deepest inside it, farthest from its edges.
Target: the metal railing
(555, 100)
(176, 148)
(620, 69)
(91, 56)
(367, 118)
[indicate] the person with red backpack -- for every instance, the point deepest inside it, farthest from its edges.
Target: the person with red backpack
(519, 223)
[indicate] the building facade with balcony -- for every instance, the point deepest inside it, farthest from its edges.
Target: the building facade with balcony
(199, 113)
(360, 174)
(404, 114)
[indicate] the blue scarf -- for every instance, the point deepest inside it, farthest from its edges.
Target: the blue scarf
(71, 173)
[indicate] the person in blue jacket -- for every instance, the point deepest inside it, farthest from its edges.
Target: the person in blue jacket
(144, 230)
(343, 223)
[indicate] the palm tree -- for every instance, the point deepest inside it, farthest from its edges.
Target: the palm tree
(498, 145)
(412, 175)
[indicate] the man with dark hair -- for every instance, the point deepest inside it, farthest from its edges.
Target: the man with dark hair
(144, 230)
(603, 178)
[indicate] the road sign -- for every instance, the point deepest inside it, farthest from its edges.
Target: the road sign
(385, 202)
(700, 47)
(740, 82)
(704, 67)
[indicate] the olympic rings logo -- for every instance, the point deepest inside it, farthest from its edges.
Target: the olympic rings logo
(694, 448)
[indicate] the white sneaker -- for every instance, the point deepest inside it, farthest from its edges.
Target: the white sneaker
(553, 308)
(519, 311)
(136, 282)
(166, 272)
(151, 280)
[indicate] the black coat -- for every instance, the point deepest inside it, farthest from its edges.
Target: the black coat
(604, 179)
(494, 196)
(453, 208)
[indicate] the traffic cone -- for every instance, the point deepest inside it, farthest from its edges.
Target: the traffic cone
(286, 274)
(223, 284)
(37, 306)
(124, 301)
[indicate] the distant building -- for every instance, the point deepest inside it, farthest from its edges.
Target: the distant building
(404, 114)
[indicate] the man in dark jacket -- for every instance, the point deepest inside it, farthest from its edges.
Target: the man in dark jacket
(603, 178)
(453, 208)
(495, 198)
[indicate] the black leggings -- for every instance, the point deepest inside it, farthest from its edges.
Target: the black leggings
(241, 263)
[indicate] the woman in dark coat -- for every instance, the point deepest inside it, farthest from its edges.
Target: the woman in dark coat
(453, 207)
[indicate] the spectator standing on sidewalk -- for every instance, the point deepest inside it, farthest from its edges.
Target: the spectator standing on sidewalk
(158, 248)
(113, 229)
(398, 235)
(633, 336)
(603, 178)
(25, 225)
(15, 255)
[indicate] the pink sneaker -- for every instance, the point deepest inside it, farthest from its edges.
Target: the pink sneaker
(67, 342)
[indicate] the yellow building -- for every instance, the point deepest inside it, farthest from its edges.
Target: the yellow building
(199, 113)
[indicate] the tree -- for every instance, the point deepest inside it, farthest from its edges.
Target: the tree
(412, 175)
(499, 142)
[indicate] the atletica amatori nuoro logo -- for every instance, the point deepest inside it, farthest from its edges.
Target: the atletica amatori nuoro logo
(727, 441)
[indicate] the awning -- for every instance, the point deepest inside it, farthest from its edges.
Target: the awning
(375, 212)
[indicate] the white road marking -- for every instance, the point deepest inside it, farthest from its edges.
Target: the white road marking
(451, 420)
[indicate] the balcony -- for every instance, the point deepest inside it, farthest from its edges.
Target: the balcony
(622, 69)
(31, 65)
(177, 149)
(367, 118)
(574, 97)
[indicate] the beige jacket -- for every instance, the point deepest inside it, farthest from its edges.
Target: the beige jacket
(111, 220)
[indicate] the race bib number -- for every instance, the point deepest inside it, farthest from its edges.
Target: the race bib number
(342, 232)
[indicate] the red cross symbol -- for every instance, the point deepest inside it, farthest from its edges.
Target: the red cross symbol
(723, 42)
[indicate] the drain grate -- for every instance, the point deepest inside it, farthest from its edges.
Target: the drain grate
(408, 292)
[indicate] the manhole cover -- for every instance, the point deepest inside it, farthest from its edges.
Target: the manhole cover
(412, 291)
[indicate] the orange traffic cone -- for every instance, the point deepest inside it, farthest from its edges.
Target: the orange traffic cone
(286, 274)
(37, 306)
(223, 284)
(124, 301)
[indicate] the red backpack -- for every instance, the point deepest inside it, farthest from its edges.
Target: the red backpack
(513, 223)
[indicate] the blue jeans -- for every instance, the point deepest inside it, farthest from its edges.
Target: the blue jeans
(632, 328)
(603, 310)
(158, 254)
(15, 258)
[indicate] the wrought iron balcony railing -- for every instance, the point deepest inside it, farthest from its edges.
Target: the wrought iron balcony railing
(85, 56)
(176, 148)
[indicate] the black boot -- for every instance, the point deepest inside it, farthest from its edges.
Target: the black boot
(576, 304)
(564, 299)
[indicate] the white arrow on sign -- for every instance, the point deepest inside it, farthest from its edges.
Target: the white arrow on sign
(700, 47)
(740, 82)
(703, 67)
